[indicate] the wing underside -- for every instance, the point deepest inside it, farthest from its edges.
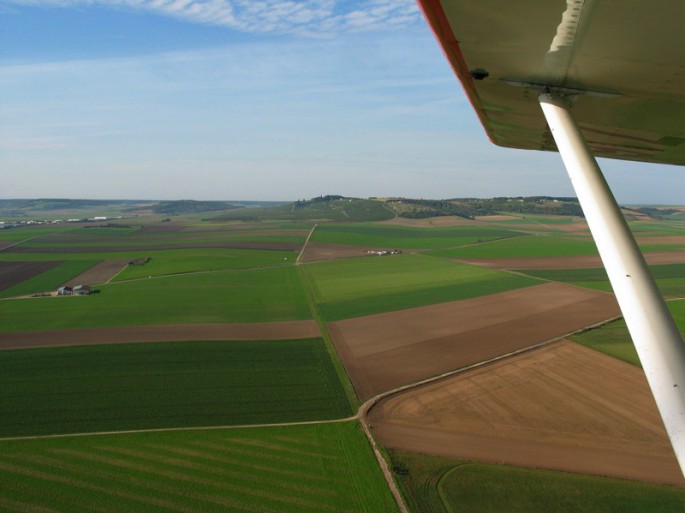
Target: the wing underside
(621, 61)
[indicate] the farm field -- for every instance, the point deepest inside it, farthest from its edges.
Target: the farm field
(325, 467)
(613, 338)
(285, 330)
(669, 278)
(392, 320)
(438, 484)
(49, 279)
(273, 294)
(522, 247)
(162, 385)
(562, 407)
(384, 351)
(12, 273)
(392, 237)
(362, 286)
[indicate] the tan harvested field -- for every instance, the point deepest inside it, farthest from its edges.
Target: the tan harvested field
(571, 262)
(384, 351)
(13, 273)
(561, 407)
(430, 222)
(315, 251)
(167, 333)
(497, 217)
(666, 240)
(99, 273)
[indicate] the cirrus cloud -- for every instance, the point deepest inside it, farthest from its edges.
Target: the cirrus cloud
(303, 17)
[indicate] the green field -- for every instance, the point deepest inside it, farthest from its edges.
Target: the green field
(390, 237)
(322, 468)
(274, 294)
(669, 278)
(524, 247)
(161, 385)
(367, 285)
(613, 338)
(441, 485)
(166, 262)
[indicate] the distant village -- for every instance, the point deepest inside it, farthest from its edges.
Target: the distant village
(34, 222)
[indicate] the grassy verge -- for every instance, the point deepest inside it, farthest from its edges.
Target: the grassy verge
(439, 485)
(308, 283)
(161, 385)
(278, 469)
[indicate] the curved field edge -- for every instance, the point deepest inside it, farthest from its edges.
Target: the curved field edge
(119, 387)
(435, 484)
(314, 468)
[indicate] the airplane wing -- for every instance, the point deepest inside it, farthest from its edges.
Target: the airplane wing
(587, 78)
(627, 57)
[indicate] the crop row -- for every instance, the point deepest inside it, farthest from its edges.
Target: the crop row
(161, 385)
(323, 468)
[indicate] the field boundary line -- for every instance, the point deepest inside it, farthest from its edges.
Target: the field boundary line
(304, 246)
(176, 429)
(19, 242)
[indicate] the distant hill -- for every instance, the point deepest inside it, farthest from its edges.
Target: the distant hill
(340, 208)
(51, 208)
(322, 208)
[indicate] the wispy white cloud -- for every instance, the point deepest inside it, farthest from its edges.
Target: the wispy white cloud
(304, 17)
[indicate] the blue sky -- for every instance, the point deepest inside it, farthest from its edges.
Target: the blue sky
(253, 99)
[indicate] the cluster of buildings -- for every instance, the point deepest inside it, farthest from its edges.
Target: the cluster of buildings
(383, 252)
(78, 290)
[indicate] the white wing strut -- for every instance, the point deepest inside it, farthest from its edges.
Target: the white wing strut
(655, 335)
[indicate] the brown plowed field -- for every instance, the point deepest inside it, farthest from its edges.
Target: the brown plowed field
(666, 240)
(571, 262)
(384, 351)
(99, 273)
(561, 407)
(12, 273)
(166, 333)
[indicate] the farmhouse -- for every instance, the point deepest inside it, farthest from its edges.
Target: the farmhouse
(65, 291)
(82, 290)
